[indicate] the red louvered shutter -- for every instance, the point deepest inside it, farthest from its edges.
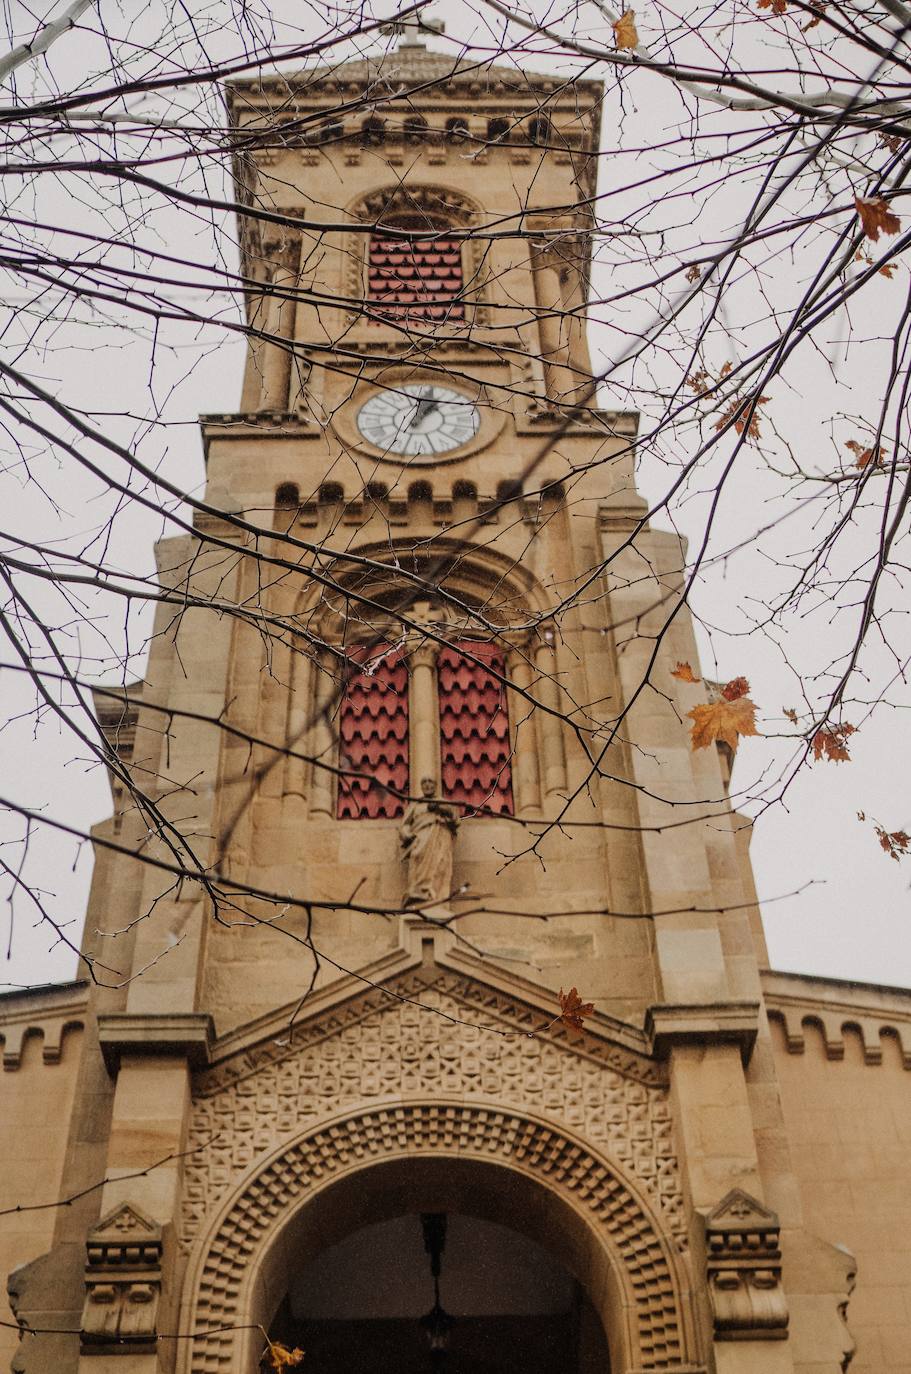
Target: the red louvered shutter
(415, 280)
(474, 728)
(373, 738)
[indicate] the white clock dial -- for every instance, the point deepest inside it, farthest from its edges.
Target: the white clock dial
(418, 421)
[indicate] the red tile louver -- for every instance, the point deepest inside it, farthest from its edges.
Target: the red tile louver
(415, 280)
(474, 728)
(373, 735)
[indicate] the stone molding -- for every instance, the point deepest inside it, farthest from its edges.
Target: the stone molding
(743, 1270)
(190, 1034)
(263, 1201)
(832, 1006)
(49, 1012)
(710, 1023)
(123, 1283)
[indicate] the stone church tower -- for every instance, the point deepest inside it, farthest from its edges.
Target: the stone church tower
(348, 1118)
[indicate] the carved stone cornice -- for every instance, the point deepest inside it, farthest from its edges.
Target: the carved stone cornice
(187, 1034)
(829, 1005)
(45, 1011)
(710, 1023)
(743, 1270)
(123, 1283)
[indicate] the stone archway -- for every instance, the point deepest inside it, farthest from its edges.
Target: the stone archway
(515, 1167)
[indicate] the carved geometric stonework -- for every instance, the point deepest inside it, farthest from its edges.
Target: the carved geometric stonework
(224, 1267)
(743, 1268)
(123, 1283)
(464, 1040)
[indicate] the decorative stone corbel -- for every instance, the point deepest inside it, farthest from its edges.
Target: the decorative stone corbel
(743, 1270)
(123, 1283)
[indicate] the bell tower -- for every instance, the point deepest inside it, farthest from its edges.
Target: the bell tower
(464, 582)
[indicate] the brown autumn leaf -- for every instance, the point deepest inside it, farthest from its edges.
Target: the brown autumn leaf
(735, 689)
(876, 218)
(740, 409)
(684, 672)
(696, 380)
(818, 7)
(573, 1010)
(865, 456)
(790, 714)
(693, 273)
(894, 842)
(279, 1357)
(722, 720)
(890, 141)
(776, 6)
(831, 743)
(625, 35)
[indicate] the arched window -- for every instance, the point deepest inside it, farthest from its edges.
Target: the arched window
(373, 736)
(475, 755)
(415, 128)
(416, 280)
(457, 129)
(373, 131)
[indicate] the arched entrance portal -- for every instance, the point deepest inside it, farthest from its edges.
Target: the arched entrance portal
(372, 1303)
(468, 1158)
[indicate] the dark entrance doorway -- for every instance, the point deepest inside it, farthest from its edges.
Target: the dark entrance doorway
(358, 1307)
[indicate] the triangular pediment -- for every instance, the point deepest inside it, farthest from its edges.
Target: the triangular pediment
(428, 966)
(123, 1222)
(739, 1211)
(434, 1023)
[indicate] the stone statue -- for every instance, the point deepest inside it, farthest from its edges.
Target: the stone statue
(426, 837)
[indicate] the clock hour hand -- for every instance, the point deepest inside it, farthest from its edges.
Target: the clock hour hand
(425, 406)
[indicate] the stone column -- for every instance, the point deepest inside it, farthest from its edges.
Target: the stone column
(279, 323)
(550, 727)
(561, 383)
(423, 713)
(526, 778)
(299, 704)
(322, 738)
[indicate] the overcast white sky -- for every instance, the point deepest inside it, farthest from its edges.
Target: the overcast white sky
(837, 905)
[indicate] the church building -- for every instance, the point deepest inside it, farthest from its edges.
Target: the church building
(341, 1100)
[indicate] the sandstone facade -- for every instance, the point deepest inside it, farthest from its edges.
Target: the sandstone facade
(717, 1162)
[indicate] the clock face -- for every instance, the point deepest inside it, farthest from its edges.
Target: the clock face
(418, 421)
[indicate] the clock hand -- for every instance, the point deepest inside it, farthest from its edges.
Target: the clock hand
(425, 406)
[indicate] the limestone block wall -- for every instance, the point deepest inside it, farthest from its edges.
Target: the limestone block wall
(843, 1057)
(41, 1037)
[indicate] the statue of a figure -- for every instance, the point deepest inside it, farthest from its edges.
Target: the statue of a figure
(426, 838)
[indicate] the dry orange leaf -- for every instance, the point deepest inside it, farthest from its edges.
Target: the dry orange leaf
(876, 217)
(684, 672)
(625, 35)
(279, 1357)
(722, 720)
(790, 714)
(740, 409)
(866, 456)
(573, 1010)
(693, 273)
(736, 688)
(894, 842)
(776, 6)
(832, 743)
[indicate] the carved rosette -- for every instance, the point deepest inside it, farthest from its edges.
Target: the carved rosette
(743, 1270)
(123, 1283)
